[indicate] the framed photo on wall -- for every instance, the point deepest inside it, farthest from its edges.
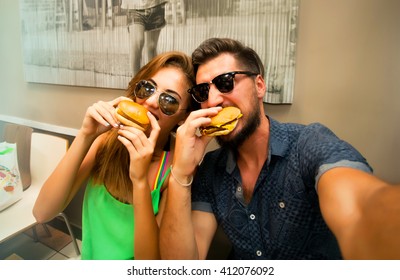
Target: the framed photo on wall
(94, 43)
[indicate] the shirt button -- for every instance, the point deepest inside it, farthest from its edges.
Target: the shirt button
(259, 253)
(252, 216)
(282, 204)
(239, 189)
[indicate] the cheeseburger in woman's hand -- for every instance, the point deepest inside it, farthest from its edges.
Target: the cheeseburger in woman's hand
(130, 113)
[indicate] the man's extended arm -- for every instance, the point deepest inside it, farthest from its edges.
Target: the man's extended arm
(363, 212)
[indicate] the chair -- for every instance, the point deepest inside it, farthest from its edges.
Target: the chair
(20, 134)
(51, 150)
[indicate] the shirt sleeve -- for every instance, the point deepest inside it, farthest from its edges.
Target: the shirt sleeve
(321, 150)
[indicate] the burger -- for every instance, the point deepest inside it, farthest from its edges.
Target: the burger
(222, 123)
(130, 113)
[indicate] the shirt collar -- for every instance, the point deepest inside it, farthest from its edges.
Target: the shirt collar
(278, 138)
(278, 144)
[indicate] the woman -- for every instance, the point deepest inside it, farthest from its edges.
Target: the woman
(125, 168)
(145, 19)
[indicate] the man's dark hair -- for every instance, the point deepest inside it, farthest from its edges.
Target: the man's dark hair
(213, 47)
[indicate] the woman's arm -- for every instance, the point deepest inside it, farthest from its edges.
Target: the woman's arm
(141, 150)
(64, 182)
(76, 165)
(146, 227)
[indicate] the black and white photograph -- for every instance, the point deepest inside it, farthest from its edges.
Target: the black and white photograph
(103, 43)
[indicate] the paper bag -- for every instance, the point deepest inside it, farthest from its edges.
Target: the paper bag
(10, 180)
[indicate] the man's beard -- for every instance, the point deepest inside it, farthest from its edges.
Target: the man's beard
(247, 130)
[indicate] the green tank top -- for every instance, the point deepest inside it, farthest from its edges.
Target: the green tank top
(108, 224)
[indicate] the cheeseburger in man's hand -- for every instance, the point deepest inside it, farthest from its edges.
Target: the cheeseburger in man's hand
(223, 123)
(130, 113)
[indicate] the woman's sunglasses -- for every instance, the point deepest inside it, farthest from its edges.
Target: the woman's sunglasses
(168, 104)
(223, 82)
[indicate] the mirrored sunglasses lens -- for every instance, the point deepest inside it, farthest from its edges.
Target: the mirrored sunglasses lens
(144, 89)
(169, 105)
(224, 82)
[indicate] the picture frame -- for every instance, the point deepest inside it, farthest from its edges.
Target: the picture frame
(78, 43)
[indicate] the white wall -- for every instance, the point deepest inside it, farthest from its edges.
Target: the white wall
(347, 77)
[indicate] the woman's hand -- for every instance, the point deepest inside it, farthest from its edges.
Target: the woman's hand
(100, 118)
(140, 148)
(189, 147)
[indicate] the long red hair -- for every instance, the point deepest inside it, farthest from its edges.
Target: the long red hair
(112, 160)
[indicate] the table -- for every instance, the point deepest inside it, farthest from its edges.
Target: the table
(46, 151)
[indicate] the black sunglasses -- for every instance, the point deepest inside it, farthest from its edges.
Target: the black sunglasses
(223, 82)
(168, 104)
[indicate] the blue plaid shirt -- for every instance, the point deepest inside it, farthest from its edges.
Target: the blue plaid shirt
(283, 220)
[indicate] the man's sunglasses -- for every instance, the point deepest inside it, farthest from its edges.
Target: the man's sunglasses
(168, 104)
(223, 82)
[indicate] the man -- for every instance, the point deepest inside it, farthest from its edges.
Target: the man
(279, 191)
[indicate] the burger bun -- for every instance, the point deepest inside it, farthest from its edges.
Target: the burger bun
(130, 113)
(223, 123)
